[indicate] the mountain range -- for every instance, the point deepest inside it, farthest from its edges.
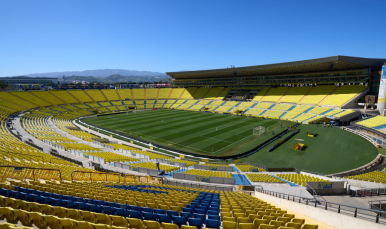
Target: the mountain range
(105, 76)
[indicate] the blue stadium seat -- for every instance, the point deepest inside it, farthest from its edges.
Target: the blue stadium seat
(159, 211)
(149, 216)
(135, 214)
(35, 198)
(179, 220)
(112, 204)
(187, 210)
(191, 206)
(171, 213)
(91, 201)
(57, 202)
(95, 208)
(200, 216)
(211, 223)
(146, 209)
(215, 217)
(108, 210)
(163, 218)
(121, 212)
(187, 215)
(200, 211)
(195, 222)
(135, 208)
(210, 212)
(82, 206)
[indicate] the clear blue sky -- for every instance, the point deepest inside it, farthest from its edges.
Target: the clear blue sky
(64, 35)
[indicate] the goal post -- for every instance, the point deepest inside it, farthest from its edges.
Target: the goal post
(259, 130)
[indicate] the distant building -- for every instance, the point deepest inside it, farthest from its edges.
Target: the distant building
(28, 80)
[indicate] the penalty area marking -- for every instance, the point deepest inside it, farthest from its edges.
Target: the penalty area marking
(177, 121)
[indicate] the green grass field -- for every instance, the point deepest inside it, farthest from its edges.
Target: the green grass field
(196, 132)
(333, 150)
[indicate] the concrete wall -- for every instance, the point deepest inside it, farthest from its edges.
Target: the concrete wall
(219, 168)
(329, 218)
(217, 180)
(197, 185)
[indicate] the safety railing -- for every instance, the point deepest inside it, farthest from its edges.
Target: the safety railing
(357, 212)
(18, 173)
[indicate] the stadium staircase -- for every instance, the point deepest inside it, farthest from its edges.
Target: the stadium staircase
(306, 111)
(253, 105)
(241, 179)
(263, 112)
(282, 114)
(269, 108)
(290, 183)
(291, 108)
(326, 112)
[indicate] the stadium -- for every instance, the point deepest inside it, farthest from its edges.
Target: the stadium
(285, 145)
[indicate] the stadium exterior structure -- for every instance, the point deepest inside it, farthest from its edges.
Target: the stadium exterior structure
(320, 71)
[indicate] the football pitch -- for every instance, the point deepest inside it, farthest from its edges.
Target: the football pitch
(190, 131)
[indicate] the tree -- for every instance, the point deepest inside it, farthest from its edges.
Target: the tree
(3, 85)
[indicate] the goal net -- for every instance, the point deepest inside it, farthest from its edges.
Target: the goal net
(259, 130)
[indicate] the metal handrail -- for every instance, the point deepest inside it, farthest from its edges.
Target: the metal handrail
(371, 214)
(34, 169)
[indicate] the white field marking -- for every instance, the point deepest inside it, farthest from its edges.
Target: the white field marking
(168, 141)
(153, 137)
(246, 131)
(231, 144)
(176, 121)
(215, 139)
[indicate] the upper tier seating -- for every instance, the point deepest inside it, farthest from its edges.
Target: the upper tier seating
(125, 94)
(152, 93)
(199, 94)
(187, 94)
(176, 93)
(214, 93)
(96, 95)
(274, 94)
(222, 94)
(45, 95)
(295, 94)
(111, 94)
(260, 94)
(31, 98)
(13, 99)
(138, 93)
(343, 94)
(164, 93)
(317, 94)
(65, 96)
(80, 95)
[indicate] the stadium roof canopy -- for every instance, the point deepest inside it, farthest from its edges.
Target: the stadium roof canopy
(333, 63)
